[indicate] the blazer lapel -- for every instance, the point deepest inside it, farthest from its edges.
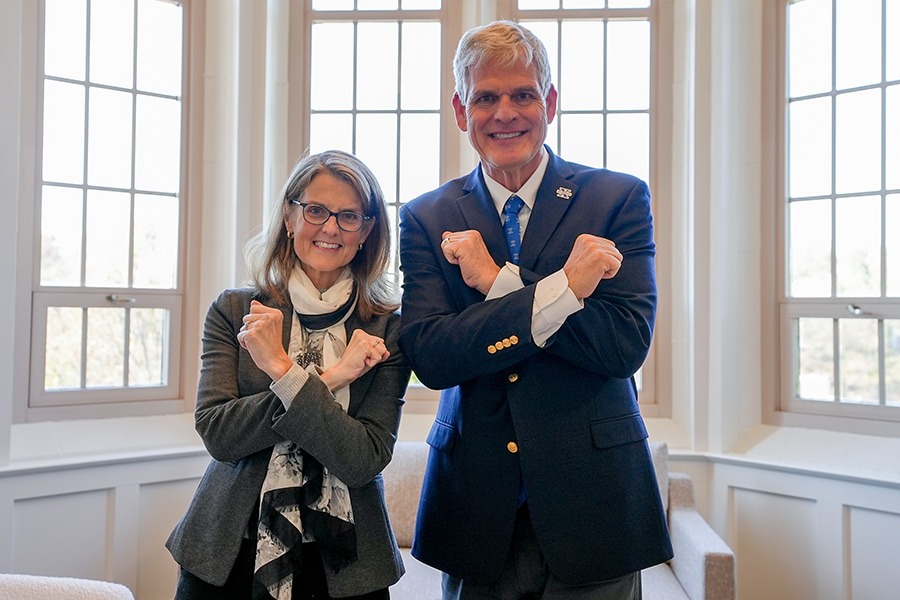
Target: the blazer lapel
(553, 199)
(479, 212)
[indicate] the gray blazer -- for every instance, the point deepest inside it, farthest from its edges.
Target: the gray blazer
(240, 420)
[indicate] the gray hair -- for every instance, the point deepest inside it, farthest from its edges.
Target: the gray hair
(503, 42)
(270, 255)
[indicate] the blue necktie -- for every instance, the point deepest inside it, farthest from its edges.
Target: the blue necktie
(511, 227)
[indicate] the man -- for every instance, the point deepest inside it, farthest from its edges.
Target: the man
(539, 481)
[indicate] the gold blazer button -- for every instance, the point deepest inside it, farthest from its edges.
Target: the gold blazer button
(513, 339)
(499, 345)
(491, 349)
(512, 447)
(513, 377)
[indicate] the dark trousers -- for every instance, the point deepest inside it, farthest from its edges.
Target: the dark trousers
(309, 584)
(526, 576)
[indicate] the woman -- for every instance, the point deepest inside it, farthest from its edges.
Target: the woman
(299, 403)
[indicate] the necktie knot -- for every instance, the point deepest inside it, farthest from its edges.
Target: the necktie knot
(511, 226)
(513, 206)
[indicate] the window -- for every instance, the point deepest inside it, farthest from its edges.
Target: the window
(603, 120)
(839, 310)
(375, 91)
(107, 297)
(381, 84)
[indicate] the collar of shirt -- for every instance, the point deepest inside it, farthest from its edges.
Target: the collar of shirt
(528, 192)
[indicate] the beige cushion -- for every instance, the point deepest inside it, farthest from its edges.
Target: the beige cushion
(402, 488)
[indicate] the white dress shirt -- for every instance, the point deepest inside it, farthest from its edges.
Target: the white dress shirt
(553, 300)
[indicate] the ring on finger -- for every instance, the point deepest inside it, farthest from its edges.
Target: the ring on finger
(445, 241)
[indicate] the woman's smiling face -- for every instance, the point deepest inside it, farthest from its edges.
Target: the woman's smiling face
(324, 250)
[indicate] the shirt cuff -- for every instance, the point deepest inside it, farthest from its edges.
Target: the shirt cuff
(290, 384)
(507, 281)
(554, 301)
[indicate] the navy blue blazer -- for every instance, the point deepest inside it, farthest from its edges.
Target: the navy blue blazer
(563, 419)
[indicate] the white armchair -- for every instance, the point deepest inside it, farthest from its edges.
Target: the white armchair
(36, 587)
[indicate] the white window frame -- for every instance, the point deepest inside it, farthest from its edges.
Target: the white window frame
(786, 408)
(457, 158)
(31, 402)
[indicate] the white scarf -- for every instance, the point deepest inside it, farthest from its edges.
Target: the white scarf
(285, 468)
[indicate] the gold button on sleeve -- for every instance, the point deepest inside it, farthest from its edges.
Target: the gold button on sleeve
(513, 377)
(512, 447)
(499, 345)
(513, 339)
(491, 350)
(507, 343)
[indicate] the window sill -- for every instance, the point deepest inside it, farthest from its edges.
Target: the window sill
(89, 440)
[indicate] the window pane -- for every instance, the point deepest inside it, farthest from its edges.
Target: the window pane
(892, 361)
(893, 40)
(858, 246)
(112, 42)
(157, 144)
(61, 217)
(583, 4)
(420, 81)
(858, 160)
(63, 145)
(377, 64)
(146, 346)
(105, 365)
(859, 360)
(108, 231)
(62, 356)
(809, 41)
(109, 138)
(376, 146)
(858, 43)
(892, 245)
(155, 241)
(64, 38)
(420, 154)
(628, 65)
(815, 370)
(629, 3)
(538, 4)
(548, 33)
(628, 144)
(810, 147)
(420, 4)
(553, 136)
(331, 80)
(892, 134)
(810, 249)
(158, 59)
(330, 132)
(582, 138)
(581, 71)
(332, 4)
(377, 4)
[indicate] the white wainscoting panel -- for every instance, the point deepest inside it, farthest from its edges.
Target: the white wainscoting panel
(162, 505)
(65, 534)
(772, 533)
(873, 553)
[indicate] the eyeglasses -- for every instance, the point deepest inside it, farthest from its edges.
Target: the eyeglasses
(316, 214)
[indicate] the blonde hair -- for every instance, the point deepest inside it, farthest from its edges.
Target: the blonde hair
(270, 255)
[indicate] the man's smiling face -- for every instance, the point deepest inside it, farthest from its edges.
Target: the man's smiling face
(506, 120)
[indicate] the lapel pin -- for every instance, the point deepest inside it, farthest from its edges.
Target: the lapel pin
(563, 193)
